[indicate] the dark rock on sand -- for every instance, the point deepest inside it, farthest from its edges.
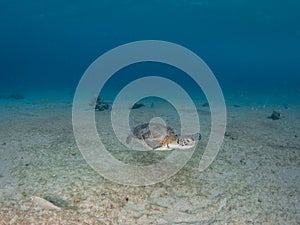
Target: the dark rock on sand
(16, 96)
(13, 96)
(275, 115)
(137, 105)
(205, 104)
(101, 105)
(230, 135)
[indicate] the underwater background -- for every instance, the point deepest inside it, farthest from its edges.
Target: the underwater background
(251, 46)
(47, 176)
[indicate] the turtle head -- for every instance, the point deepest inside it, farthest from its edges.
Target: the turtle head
(186, 141)
(189, 140)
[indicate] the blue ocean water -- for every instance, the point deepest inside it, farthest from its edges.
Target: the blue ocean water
(251, 46)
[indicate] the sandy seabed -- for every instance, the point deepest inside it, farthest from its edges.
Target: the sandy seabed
(254, 179)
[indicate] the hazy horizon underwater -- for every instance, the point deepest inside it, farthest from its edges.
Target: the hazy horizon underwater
(56, 122)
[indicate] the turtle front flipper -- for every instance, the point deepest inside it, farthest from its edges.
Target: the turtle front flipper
(153, 144)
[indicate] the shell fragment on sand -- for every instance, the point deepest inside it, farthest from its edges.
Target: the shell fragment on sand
(44, 204)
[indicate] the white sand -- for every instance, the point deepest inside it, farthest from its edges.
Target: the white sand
(254, 179)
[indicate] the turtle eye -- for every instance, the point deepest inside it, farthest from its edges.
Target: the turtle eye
(180, 141)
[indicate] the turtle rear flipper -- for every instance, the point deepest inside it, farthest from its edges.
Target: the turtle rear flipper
(129, 139)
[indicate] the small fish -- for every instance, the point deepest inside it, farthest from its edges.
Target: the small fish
(44, 204)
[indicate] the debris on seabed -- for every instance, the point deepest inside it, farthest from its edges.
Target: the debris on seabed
(275, 115)
(44, 204)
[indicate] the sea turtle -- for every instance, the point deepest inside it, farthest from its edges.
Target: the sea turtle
(156, 136)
